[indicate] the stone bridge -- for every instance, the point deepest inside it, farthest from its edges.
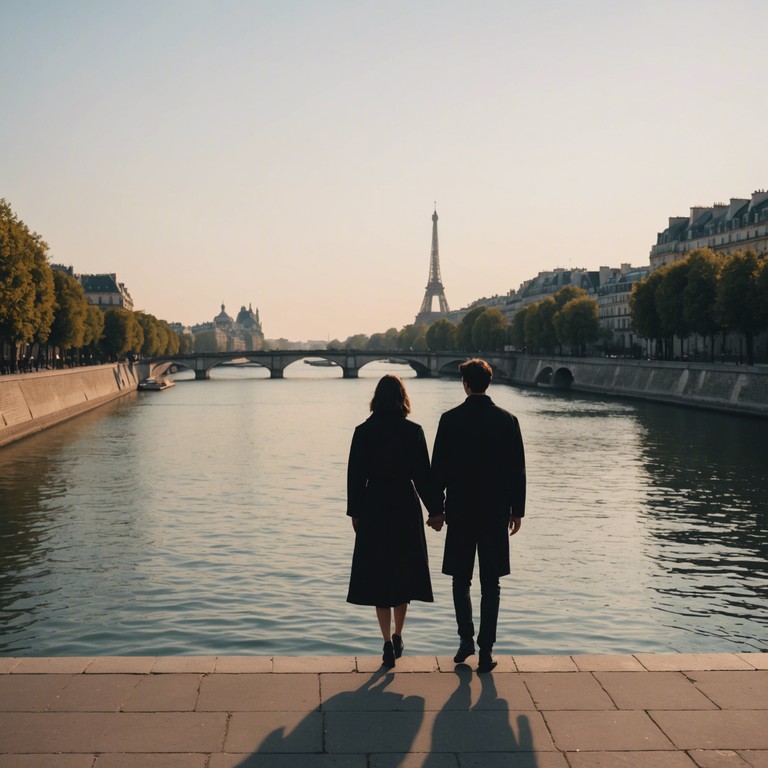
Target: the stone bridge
(349, 360)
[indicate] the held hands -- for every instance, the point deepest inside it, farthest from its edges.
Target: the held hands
(436, 521)
(515, 524)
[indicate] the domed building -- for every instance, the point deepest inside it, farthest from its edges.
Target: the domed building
(227, 335)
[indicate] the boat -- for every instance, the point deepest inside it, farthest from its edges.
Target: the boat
(156, 384)
(322, 362)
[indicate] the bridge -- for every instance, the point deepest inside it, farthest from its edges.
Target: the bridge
(350, 361)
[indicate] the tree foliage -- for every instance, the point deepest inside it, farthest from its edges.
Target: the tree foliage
(577, 324)
(441, 335)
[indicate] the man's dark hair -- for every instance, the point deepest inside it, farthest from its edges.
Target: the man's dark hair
(477, 374)
(390, 397)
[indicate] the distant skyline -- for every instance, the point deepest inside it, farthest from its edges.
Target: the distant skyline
(287, 154)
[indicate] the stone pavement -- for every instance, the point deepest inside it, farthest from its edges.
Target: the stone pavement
(641, 711)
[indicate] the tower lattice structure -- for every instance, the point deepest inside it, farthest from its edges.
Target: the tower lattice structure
(434, 284)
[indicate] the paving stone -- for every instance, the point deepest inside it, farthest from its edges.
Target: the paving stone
(734, 690)
(566, 690)
(718, 758)
(126, 665)
(288, 761)
(30, 693)
(63, 665)
(313, 664)
(239, 664)
(756, 758)
(414, 760)
(445, 731)
(47, 761)
(94, 693)
(188, 760)
(545, 664)
(80, 732)
(605, 731)
(756, 660)
(266, 732)
(404, 664)
(518, 760)
(191, 664)
(629, 760)
(719, 729)
(7, 664)
(653, 690)
(609, 663)
(164, 693)
(682, 662)
(242, 693)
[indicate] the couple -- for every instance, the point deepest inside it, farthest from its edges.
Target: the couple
(478, 460)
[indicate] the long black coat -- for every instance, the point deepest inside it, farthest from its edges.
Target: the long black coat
(478, 459)
(388, 465)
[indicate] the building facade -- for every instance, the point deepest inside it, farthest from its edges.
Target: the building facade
(613, 307)
(225, 334)
(738, 225)
(105, 291)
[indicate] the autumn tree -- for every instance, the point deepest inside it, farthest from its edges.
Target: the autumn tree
(71, 311)
(122, 333)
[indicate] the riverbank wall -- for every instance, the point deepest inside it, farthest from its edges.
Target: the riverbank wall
(31, 402)
(732, 388)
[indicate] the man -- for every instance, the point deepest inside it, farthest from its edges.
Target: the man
(478, 459)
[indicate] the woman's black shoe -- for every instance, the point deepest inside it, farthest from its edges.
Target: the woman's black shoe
(388, 657)
(466, 649)
(397, 644)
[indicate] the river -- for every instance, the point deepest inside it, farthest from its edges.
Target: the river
(210, 519)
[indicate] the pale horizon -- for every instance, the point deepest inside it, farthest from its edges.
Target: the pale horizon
(288, 155)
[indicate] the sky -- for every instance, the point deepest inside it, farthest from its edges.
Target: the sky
(289, 154)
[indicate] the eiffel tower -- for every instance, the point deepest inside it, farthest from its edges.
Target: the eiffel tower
(434, 285)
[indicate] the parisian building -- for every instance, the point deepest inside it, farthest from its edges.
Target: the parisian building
(738, 225)
(225, 334)
(613, 306)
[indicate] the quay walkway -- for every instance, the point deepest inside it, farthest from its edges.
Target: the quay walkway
(634, 711)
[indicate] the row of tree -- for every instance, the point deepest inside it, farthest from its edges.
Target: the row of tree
(704, 294)
(569, 318)
(46, 320)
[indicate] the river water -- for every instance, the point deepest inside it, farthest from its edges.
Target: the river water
(210, 519)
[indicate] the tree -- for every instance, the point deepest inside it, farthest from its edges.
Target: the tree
(540, 327)
(26, 284)
(489, 331)
(564, 295)
(738, 306)
(700, 295)
(412, 337)
(122, 333)
(358, 341)
(669, 304)
(642, 307)
(376, 342)
(516, 330)
(577, 323)
(68, 328)
(441, 335)
(93, 329)
(464, 329)
(151, 346)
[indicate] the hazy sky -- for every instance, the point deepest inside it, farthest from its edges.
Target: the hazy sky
(288, 154)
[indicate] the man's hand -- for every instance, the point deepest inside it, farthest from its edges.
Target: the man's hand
(436, 521)
(354, 524)
(514, 524)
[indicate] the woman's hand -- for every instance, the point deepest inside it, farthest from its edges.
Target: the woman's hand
(354, 524)
(436, 521)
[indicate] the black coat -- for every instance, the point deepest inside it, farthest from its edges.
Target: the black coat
(388, 465)
(478, 459)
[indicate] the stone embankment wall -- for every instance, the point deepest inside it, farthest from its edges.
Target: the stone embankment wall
(734, 388)
(33, 401)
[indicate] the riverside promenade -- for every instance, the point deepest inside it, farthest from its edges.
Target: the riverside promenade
(634, 711)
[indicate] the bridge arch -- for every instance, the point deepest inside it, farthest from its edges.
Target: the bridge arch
(563, 378)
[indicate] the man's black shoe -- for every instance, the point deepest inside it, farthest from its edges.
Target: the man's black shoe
(486, 662)
(466, 649)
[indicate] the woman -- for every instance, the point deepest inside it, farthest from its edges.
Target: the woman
(387, 459)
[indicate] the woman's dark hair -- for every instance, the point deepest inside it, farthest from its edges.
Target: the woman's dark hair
(477, 374)
(390, 397)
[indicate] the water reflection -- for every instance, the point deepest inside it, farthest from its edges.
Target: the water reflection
(706, 514)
